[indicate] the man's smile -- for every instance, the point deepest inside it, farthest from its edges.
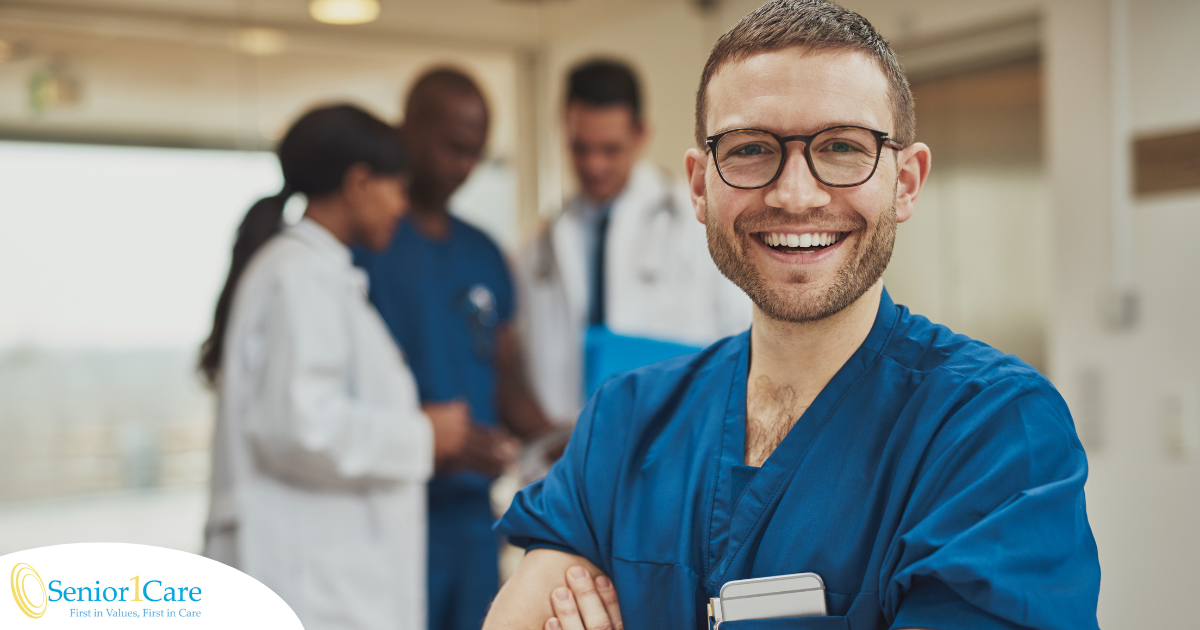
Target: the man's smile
(803, 246)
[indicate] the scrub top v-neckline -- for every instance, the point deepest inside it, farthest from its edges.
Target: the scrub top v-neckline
(734, 518)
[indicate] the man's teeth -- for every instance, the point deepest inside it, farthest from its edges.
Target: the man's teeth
(811, 239)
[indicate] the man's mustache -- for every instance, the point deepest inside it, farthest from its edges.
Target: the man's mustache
(770, 219)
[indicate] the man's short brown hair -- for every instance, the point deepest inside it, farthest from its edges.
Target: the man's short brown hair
(815, 24)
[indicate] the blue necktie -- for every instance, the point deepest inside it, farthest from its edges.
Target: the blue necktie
(596, 308)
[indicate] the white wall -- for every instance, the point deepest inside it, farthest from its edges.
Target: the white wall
(1144, 498)
(154, 82)
(140, 81)
(118, 246)
(974, 256)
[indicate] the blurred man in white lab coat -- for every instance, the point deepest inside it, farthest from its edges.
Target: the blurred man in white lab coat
(622, 278)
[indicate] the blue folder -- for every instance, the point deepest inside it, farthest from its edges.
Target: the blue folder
(607, 353)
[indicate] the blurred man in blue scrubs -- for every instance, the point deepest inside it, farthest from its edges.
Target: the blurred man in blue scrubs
(930, 480)
(446, 294)
(622, 277)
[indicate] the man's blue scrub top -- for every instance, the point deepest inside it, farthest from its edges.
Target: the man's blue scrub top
(442, 301)
(934, 483)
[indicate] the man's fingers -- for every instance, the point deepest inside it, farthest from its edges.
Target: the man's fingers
(587, 599)
(586, 605)
(566, 614)
(608, 595)
(479, 453)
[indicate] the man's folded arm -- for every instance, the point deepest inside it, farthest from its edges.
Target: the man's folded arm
(524, 601)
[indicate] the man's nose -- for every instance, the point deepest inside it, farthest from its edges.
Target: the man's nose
(797, 189)
(596, 159)
(595, 165)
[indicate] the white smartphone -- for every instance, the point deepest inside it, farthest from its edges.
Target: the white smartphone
(778, 596)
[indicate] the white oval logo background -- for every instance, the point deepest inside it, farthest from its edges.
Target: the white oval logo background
(227, 597)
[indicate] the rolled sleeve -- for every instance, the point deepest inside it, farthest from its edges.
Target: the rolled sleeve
(996, 534)
(554, 512)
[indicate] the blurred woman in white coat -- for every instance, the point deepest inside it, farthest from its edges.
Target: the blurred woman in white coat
(321, 450)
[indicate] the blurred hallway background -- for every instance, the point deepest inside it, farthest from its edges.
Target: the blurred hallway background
(135, 133)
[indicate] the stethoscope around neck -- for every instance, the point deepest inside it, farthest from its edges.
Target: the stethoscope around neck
(648, 248)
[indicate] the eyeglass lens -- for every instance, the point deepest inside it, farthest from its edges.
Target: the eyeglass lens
(842, 156)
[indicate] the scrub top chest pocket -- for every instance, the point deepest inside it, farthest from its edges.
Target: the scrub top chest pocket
(789, 623)
(796, 595)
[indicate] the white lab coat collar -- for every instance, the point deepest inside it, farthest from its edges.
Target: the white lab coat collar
(321, 239)
(568, 243)
(645, 180)
(644, 177)
(330, 248)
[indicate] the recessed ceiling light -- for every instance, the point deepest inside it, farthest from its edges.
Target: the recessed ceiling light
(344, 11)
(259, 41)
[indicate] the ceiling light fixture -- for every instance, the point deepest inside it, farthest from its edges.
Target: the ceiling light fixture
(344, 11)
(259, 41)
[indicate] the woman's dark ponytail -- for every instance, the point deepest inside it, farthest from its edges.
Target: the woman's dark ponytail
(314, 156)
(262, 221)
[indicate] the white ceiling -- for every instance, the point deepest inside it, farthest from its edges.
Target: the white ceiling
(488, 23)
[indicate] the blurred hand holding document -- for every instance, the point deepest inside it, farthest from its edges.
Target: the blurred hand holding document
(108, 585)
(539, 455)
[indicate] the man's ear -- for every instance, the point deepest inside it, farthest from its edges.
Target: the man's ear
(641, 135)
(912, 169)
(354, 182)
(696, 164)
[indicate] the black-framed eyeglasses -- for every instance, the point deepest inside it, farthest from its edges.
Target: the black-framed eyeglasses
(840, 157)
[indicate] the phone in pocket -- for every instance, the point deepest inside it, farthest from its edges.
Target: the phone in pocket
(778, 596)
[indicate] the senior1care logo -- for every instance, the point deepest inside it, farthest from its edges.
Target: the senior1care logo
(121, 585)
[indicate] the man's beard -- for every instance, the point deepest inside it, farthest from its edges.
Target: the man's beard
(789, 302)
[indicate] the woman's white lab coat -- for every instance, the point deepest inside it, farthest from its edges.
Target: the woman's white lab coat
(321, 451)
(660, 283)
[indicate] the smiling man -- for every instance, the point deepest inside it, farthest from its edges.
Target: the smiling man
(930, 480)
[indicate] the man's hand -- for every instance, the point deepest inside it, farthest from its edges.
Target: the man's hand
(451, 428)
(486, 450)
(526, 600)
(589, 604)
(460, 444)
